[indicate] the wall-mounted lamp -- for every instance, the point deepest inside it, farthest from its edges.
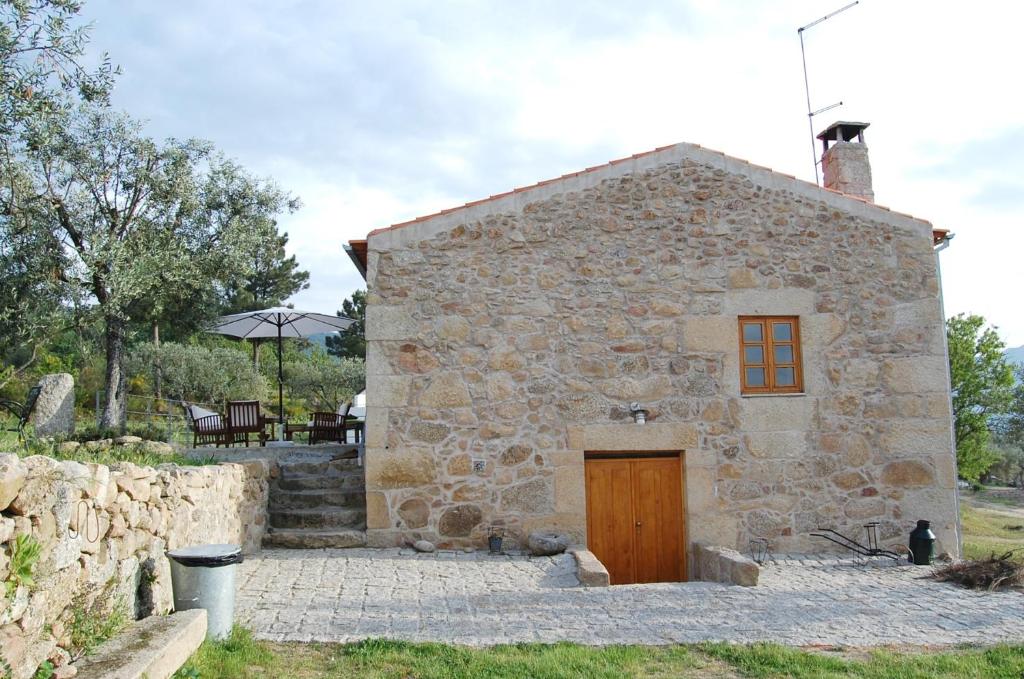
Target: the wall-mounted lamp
(639, 414)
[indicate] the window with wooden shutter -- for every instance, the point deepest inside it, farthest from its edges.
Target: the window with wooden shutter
(770, 355)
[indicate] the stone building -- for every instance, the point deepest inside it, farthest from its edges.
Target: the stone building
(785, 341)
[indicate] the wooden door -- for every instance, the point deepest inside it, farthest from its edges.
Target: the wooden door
(635, 522)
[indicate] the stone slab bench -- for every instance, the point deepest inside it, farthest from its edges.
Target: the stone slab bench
(719, 564)
(590, 571)
(154, 648)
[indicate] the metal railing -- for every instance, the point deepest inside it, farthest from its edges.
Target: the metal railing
(165, 414)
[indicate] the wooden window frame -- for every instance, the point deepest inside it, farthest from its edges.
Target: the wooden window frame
(768, 344)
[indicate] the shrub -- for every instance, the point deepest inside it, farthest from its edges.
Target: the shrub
(993, 572)
(324, 381)
(24, 556)
(195, 373)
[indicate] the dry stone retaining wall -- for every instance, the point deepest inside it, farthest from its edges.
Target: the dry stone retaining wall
(506, 339)
(104, 532)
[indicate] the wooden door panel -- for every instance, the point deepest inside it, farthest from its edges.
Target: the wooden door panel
(658, 515)
(635, 520)
(610, 517)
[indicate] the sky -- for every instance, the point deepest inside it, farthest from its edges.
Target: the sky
(374, 113)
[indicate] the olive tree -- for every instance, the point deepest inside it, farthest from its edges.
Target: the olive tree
(982, 385)
(323, 381)
(199, 374)
(41, 76)
(137, 226)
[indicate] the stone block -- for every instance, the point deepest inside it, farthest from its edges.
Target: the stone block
(777, 445)
(405, 468)
(916, 438)
(530, 497)
(865, 508)
(921, 313)
(414, 512)
(776, 414)
(376, 360)
(720, 564)
(945, 470)
(154, 648)
(570, 490)
(628, 389)
(376, 427)
(590, 571)
(701, 494)
(454, 329)
(547, 543)
(388, 390)
(710, 334)
(390, 323)
(12, 478)
(667, 436)
(446, 390)
(54, 414)
(766, 302)
(459, 521)
(916, 374)
(377, 515)
(907, 473)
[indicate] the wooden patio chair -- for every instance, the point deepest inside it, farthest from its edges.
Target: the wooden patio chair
(23, 411)
(328, 427)
(207, 426)
(245, 418)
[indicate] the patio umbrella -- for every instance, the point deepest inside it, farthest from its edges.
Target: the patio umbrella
(279, 322)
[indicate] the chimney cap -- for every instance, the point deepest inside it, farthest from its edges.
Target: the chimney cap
(843, 131)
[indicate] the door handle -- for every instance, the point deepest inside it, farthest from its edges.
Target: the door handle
(639, 523)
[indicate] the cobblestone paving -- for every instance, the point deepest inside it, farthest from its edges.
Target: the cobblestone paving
(477, 599)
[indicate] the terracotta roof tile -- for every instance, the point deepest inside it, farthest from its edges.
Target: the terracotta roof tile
(594, 168)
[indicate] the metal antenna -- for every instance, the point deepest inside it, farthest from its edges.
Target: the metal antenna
(807, 88)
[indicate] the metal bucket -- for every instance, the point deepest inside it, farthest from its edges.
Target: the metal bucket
(203, 576)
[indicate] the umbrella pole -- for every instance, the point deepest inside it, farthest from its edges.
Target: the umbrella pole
(280, 387)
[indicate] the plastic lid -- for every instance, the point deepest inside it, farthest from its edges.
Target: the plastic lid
(209, 556)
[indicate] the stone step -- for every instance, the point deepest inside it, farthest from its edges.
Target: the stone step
(319, 518)
(318, 482)
(321, 467)
(313, 539)
(308, 499)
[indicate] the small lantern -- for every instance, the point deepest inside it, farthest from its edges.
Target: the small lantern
(639, 414)
(759, 550)
(494, 540)
(922, 543)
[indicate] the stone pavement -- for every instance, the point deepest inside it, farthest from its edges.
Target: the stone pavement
(476, 599)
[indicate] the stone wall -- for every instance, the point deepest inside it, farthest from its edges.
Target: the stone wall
(104, 532)
(507, 338)
(719, 564)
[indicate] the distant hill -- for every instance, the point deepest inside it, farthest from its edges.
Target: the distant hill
(321, 339)
(1015, 355)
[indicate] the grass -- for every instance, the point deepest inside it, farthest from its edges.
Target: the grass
(988, 531)
(91, 625)
(244, 656)
(133, 453)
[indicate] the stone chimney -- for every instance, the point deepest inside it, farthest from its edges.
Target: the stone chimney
(845, 163)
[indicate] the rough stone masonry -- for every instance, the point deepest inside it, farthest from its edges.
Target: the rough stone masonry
(508, 337)
(103, 533)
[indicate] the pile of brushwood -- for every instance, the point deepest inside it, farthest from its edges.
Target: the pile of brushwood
(993, 572)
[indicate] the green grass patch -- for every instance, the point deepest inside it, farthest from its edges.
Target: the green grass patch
(134, 453)
(94, 622)
(989, 532)
(773, 660)
(243, 656)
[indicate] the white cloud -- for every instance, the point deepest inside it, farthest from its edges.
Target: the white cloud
(380, 112)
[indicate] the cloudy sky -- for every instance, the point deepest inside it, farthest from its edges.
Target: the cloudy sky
(377, 112)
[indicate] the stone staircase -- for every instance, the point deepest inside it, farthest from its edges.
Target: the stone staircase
(317, 504)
